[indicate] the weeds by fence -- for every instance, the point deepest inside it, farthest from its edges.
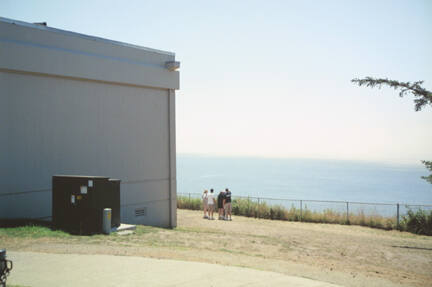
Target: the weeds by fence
(416, 219)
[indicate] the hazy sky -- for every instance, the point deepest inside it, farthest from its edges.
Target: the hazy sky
(272, 78)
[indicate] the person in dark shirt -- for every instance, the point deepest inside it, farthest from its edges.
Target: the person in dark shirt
(227, 204)
(220, 200)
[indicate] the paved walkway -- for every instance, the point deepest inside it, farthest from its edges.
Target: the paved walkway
(45, 270)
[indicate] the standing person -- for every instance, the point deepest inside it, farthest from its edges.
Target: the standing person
(211, 203)
(221, 198)
(227, 204)
(205, 202)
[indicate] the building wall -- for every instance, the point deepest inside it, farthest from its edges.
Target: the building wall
(62, 126)
(4, 115)
(91, 118)
(42, 50)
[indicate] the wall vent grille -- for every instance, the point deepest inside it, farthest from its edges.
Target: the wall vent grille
(141, 211)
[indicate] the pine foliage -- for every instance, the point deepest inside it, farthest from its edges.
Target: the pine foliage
(422, 96)
(428, 165)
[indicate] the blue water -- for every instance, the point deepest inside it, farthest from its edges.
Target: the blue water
(305, 179)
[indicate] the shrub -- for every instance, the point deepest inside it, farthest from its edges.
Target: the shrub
(419, 222)
(185, 202)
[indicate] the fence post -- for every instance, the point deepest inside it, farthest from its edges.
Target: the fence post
(301, 210)
(189, 199)
(347, 204)
(397, 217)
(258, 216)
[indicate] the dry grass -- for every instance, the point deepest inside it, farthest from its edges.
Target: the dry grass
(419, 222)
(341, 254)
(263, 210)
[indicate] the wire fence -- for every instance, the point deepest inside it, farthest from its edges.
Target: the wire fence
(308, 210)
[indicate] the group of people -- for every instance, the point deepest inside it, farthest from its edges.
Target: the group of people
(223, 204)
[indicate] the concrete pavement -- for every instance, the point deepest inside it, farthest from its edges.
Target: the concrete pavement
(45, 270)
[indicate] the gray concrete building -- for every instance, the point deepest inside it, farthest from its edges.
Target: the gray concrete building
(82, 105)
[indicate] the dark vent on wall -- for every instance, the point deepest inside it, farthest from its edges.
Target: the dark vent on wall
(141, 211)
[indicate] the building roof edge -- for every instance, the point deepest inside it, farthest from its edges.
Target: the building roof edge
(83, 36)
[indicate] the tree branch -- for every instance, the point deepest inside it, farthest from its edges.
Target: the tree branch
(424, 97)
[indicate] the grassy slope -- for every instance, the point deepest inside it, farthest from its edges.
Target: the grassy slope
(347, 255)
(419, 222)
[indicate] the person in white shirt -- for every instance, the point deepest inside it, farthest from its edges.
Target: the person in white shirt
(205, 202)
(211, 203)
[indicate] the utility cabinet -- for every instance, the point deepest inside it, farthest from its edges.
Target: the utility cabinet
(78, 202)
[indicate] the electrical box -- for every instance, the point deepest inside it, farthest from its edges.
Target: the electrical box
(78, 202)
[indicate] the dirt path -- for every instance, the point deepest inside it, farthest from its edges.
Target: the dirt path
(344, 255)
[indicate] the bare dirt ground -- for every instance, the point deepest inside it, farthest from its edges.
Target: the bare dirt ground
(344, 255)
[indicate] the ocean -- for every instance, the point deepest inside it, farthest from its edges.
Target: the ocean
(306, 179)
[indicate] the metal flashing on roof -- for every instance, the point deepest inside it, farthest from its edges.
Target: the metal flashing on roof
(83, 36)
